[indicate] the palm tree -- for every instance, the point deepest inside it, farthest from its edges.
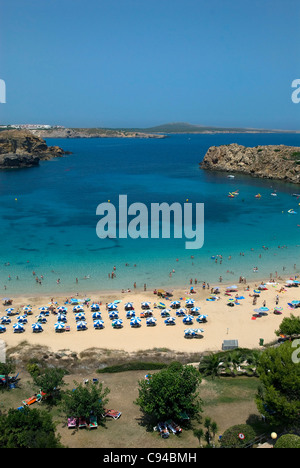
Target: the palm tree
(210, 365)
(199, 434)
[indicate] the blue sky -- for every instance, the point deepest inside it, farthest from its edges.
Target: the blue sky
(138, 63)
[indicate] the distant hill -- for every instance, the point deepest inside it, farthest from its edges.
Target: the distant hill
(183, 127)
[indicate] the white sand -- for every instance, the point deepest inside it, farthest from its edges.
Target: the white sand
(224, 323)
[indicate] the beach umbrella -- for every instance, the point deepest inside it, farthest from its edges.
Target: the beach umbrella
(295, 302)
(189, 332)
(201, 318)
(27, 309)
(2, 329)
(96, 315)
(81, 325)
(198, 331)
(188, 319)
(151, 321)
(128, 305)
(175, 304)
(189, 302)
(78, 308)
(95, 307)
(130, 314)
(170, 321)
(195, 310)
(117, 323)
(36, 327)
(22, 319)
(18, 327)
(79, 316)
(44, 309)
(181, 312)
(61, 318)
(113, 315)
(135, 322)
(112, 306)
(145, 305)
(62, 310)
(59, 326)
(263, 309)
(98, 323)
(165, 313)
(6, 320)
(10, 310)
(41, 318)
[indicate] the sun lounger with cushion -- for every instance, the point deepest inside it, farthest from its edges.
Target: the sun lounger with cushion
(112, 414)
(93, 422)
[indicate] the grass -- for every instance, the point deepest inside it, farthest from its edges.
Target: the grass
(227, 401)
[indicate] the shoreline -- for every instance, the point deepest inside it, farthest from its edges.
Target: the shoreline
(223, 323)
(140, 290)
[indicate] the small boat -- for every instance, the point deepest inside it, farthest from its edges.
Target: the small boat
(258, 195)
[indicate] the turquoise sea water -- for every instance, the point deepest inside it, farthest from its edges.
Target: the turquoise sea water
(48, 217)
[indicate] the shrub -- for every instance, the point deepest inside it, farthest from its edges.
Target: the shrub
(131, 366)
(288, 441)
(231, 439)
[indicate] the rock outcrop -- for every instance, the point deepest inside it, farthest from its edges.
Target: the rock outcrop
(271, 162)
(20, 148)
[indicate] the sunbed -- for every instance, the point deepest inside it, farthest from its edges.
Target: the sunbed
(111, 413)
(163, 430)
(173, 427)
(82, 423)
(30, 401)
(72, 423)
(93, 422)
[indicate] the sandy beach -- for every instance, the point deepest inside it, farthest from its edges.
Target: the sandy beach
(223, 322)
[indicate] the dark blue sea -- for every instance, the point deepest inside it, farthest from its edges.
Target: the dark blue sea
(48, 217)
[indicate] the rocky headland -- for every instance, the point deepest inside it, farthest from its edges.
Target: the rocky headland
(92, 133)
(20, 149)
(270, 162)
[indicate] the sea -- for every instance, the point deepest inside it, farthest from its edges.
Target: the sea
(49, 242)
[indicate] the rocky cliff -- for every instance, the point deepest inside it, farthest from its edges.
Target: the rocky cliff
(271, 162)
(20, 148)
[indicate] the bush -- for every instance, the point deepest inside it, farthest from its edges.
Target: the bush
(288, 441)
(231, 439)
(131, 366)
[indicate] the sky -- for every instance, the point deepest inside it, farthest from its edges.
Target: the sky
(141, 63)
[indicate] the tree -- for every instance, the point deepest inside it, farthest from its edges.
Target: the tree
(279, 396)
(199, 434)
(50, 381)
(211, 365)
(29, 428)
(85, 400)
(171, 392)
